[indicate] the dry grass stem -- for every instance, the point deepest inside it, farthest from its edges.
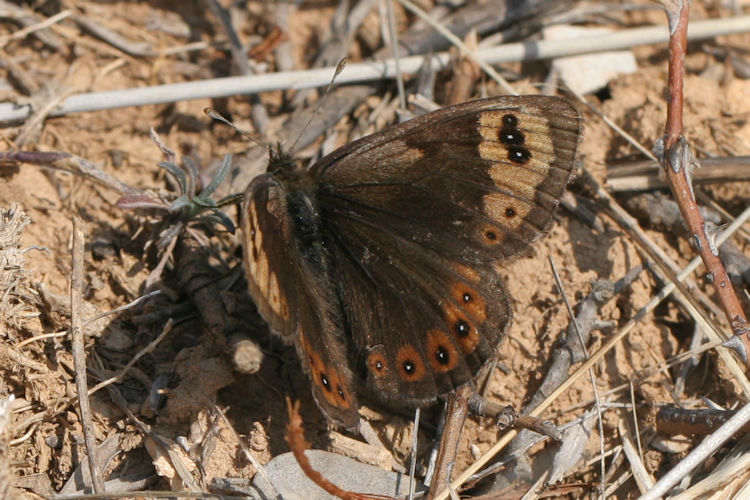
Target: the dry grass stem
(366, 72)
(79, 351)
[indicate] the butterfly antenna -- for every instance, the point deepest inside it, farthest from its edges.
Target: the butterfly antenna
(321, 101)
(218, 117)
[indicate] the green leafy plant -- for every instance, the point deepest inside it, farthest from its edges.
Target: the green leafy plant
(190, 207)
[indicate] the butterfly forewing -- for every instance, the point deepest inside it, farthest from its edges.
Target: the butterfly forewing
(295, 299)
(490, 171)
(272, 280)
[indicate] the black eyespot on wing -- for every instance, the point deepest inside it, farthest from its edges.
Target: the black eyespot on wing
(510, 121)
(462, 328)
(518, 154)
(442, 356)
(410, 364)
(511, 137)
(409, 367)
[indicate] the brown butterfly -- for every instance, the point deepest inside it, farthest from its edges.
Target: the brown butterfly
(377, 261)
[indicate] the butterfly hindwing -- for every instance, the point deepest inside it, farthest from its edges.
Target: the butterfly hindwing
(420, 333)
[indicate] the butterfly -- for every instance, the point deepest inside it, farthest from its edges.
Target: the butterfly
(378, 261)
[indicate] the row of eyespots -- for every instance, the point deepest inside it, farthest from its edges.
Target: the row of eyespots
(442, 353)
(328, 378)
(514, 141)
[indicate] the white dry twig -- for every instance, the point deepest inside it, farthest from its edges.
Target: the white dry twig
(372, 70)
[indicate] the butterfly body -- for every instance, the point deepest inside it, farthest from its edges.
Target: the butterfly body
(378, 261)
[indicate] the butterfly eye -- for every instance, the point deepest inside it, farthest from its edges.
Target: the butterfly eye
(326, 383)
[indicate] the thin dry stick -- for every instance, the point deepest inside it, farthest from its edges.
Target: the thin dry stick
(455, 416)
(295, 437)
(79, 351)
(699, 454)
(70, 163)
(668, 269)
(592, 376)
(414, 445)
(393, 39)
(26, 17)
(369, 71)
(258, 112)
(90, 320)
(677, 161)
(634, 414)
(471, 54)
(642, 478)
(35, 27)
(611, 124)
(733, 468)
(608, 346)
(245, 450)
(644, 176)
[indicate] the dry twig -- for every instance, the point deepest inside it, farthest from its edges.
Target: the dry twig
(678, 162)
(79, 351)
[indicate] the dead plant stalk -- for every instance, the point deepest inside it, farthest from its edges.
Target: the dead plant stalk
(677, 161)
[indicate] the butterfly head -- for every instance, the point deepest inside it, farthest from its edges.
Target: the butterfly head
(280, 160)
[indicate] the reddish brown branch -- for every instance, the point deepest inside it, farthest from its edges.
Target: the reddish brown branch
(295, 437)
(678, 161)
(677, 50)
